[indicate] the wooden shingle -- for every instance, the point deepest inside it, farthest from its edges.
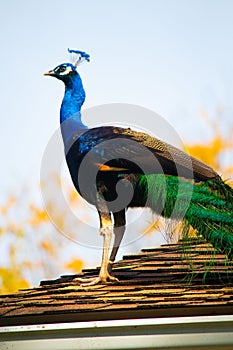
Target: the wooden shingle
(159, 282)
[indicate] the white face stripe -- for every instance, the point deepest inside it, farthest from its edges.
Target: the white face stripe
(67, 71)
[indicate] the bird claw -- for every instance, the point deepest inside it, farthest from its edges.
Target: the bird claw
(92, 281)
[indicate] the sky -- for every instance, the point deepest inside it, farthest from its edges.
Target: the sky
(173, 57)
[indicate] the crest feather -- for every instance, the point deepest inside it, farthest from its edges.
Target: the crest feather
(78, 57)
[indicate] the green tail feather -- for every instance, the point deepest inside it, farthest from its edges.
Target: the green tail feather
(206, 206)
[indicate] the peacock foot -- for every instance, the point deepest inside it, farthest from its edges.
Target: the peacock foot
(92, 281)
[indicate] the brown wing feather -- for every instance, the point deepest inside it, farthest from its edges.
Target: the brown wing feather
(172, 154)
(173, 160)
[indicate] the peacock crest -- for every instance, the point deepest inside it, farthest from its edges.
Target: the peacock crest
(78, 57)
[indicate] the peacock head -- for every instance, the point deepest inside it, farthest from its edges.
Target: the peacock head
(67, 71)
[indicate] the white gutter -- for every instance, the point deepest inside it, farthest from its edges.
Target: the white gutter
(155, 333)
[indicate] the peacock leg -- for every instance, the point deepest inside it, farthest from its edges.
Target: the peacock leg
(105, 231)
(119, 230)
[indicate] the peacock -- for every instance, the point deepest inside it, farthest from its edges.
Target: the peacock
(116, 168)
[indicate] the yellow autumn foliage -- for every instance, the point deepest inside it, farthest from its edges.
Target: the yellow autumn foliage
(48, 247)
(38, 216)
(5, 208)
(75, 265)
(73, 196)
(211, 151)
(11, 280)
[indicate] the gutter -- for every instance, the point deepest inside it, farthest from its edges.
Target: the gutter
(201, 332)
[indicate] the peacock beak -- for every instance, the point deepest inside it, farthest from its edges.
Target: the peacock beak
(50, 73)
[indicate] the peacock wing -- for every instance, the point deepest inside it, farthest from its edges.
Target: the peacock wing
(123, 149)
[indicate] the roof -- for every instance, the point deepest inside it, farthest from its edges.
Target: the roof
(159, 282)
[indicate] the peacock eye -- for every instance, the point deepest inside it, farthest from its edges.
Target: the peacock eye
(62, 69)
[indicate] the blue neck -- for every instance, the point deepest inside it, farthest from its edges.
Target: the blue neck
(70, 112)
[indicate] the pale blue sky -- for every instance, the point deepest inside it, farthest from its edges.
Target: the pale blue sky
(172, 56)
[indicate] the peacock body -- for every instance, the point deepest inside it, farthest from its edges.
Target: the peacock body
(116, 168)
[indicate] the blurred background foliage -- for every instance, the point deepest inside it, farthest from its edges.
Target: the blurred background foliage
(32, 249)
